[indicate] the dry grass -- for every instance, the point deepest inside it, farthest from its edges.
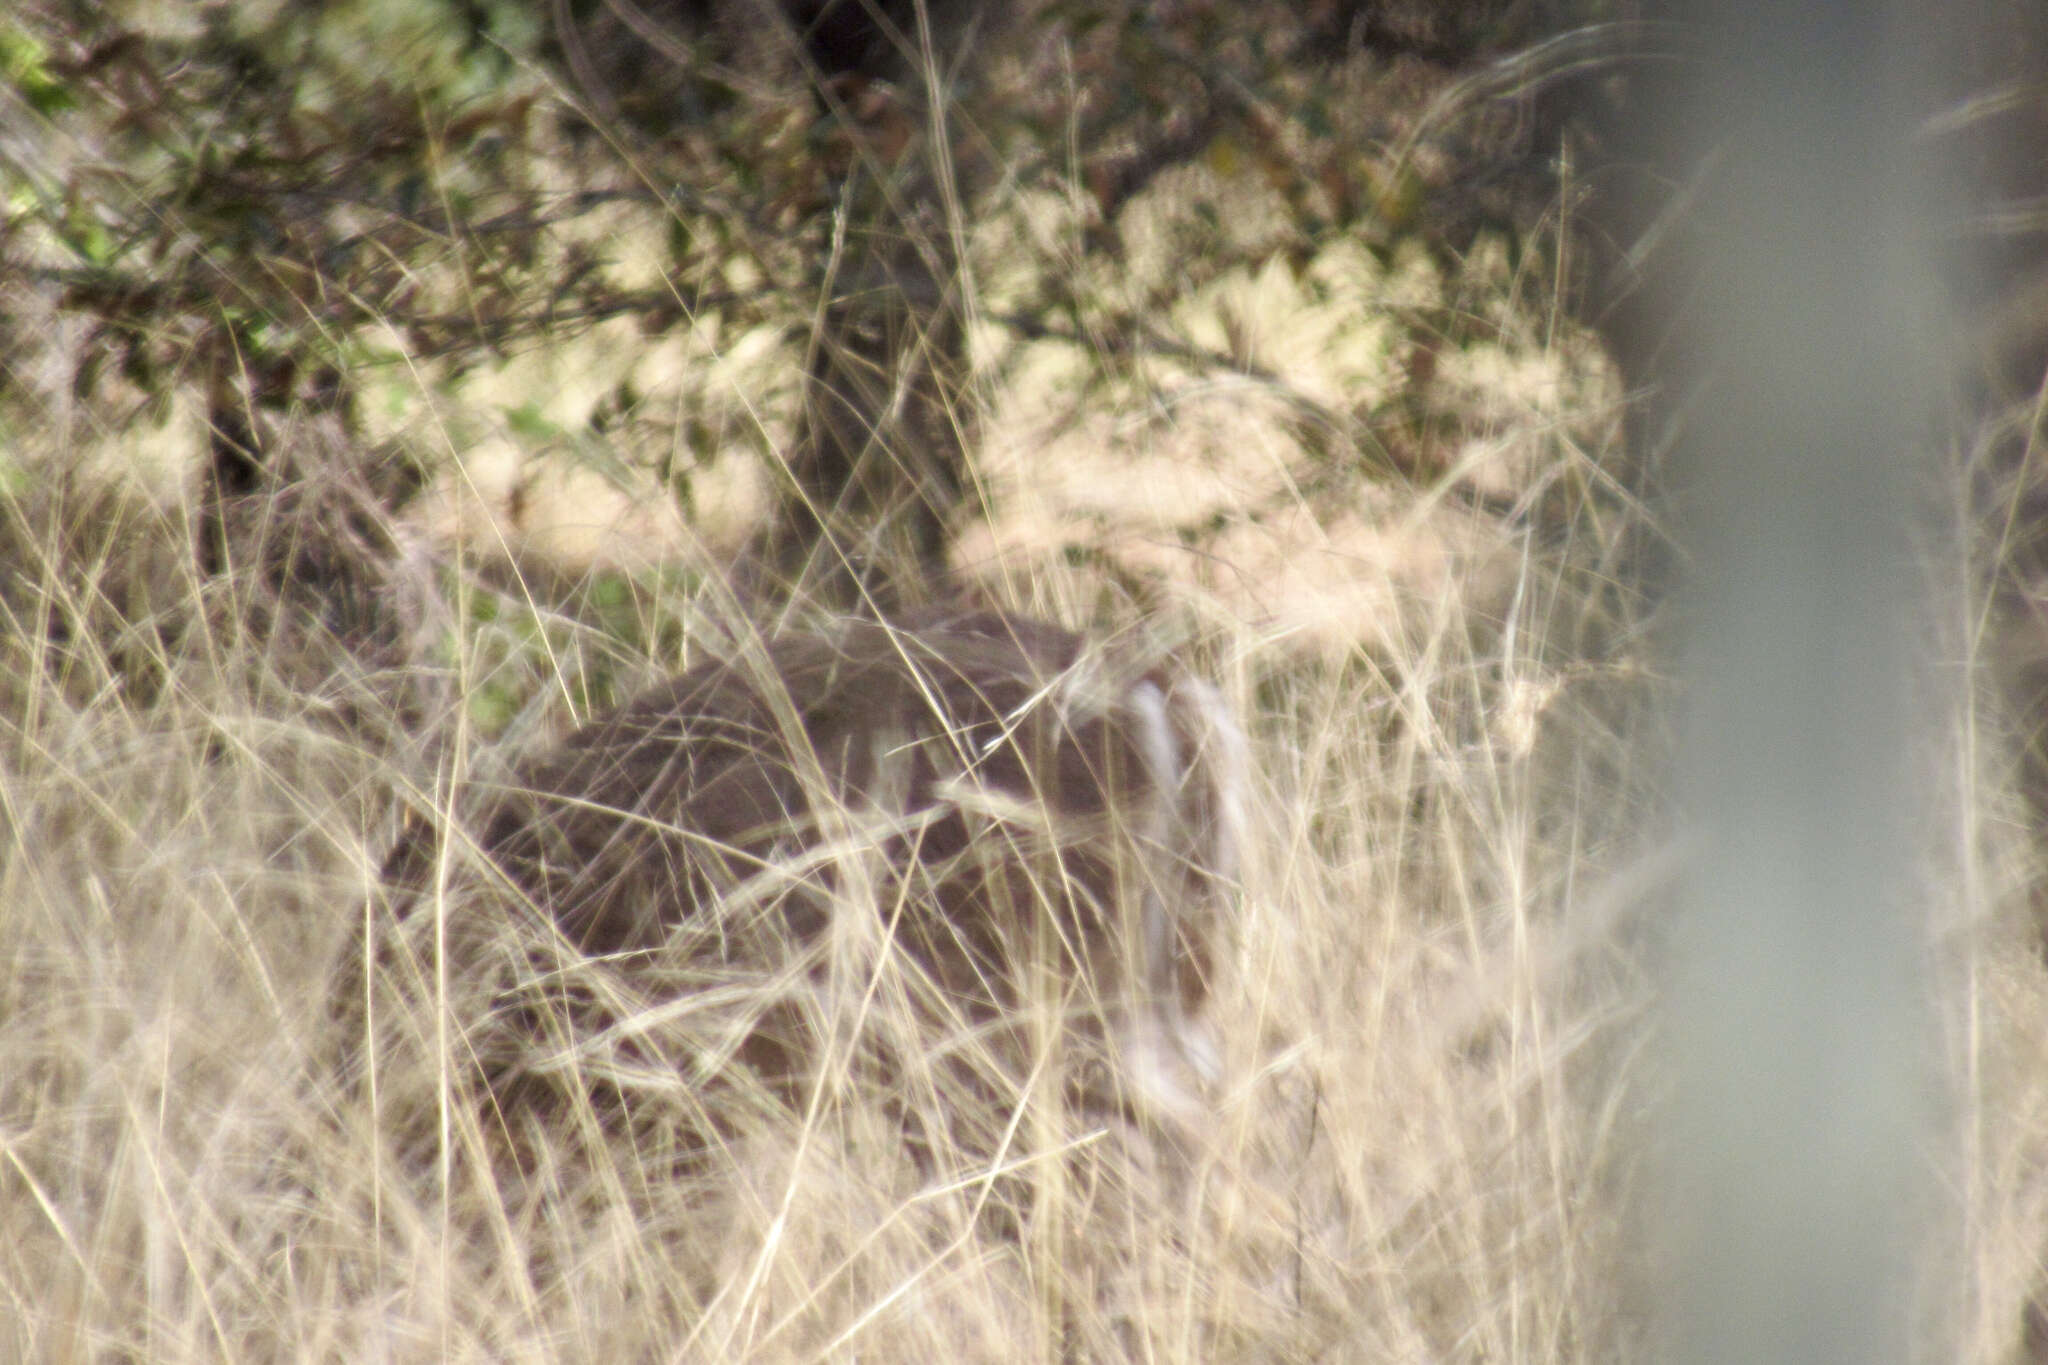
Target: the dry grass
(1427, 1144)
(1420, 1147)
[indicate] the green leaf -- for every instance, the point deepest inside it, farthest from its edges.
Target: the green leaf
(526, 420)
(24, 64)
(492, 707)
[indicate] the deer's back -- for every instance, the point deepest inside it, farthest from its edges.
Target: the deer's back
(988, 766)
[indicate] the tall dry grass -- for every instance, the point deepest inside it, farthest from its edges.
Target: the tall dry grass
(1426, 1142)
(1420, 1146)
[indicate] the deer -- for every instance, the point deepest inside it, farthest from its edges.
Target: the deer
(1017, 812)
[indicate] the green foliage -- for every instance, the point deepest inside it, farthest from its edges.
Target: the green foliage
(273, 184)
(25, 67)
(268, 183)
(357, 208)
(510, 650)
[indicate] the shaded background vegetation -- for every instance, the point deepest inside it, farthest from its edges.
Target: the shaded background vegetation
(258, 204)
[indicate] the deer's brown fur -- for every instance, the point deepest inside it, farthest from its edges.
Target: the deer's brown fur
(1001, 796)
